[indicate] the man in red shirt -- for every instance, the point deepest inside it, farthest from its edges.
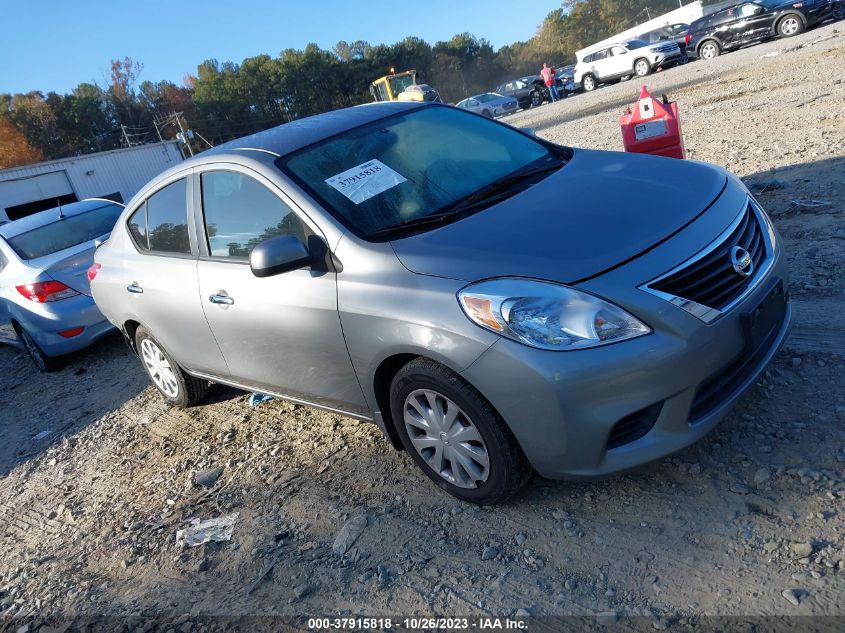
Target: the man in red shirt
(548, 75)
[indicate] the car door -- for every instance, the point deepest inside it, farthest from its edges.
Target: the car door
(620, 61)
(599, 65)
(725, 26)
(161, 277)
(758, 23)
(282, 333)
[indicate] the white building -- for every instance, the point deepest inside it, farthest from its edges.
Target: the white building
(683, 15)
(117, 175)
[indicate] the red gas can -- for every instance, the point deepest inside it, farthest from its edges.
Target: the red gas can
(653, 127)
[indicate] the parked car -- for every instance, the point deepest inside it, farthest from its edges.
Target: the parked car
(564, 80)
(678, 33)
(411, 264)
(613, 62)
(489, 104)
(528, 91)
(748, 23)
(44, 290)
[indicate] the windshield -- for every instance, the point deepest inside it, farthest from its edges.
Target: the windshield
(633, 44)
(487, 97)
(399, 84)
(410, 165)
(62, 234)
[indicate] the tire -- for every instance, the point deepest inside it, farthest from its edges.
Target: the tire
(790, 25)
(536, 99)
(487, 114)
(44, 363)
(709, 49)
(425, 385)
(839, 10)
(178, 388)
(588, 83)
(642, 67)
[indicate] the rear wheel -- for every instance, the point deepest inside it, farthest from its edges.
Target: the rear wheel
(709, 50)
(178, 388)
(642, 67)
(43, 362)
(588, 83)
(790, 25)
(839, 10)
(454, 435)
(536, 98)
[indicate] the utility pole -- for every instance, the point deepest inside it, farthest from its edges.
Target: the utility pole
(184, 135)
(161, 140)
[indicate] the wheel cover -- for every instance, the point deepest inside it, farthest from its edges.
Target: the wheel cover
(642, 69)
(589, 84)
(708, 51)
(446, 439)
(158, 367)
(789, 26)
(32, 349)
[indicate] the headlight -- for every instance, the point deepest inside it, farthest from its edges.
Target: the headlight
(547, 315)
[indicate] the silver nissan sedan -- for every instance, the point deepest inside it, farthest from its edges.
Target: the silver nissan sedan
(415, 265)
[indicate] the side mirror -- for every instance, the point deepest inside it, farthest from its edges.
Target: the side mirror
(758, 10)
(279, 255)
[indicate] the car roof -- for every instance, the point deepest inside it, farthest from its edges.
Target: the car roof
(295, 135)
(43, 218)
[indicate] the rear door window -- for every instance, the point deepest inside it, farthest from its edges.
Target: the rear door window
(137, 225)
(240, 212)
(160, 224)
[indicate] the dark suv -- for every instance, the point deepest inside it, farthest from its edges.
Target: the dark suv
(752, 22)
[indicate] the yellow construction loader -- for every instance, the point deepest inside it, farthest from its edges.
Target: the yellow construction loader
(402, 87)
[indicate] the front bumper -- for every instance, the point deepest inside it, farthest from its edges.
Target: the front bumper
(564, 407)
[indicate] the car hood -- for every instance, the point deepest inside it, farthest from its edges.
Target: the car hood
(601, 209)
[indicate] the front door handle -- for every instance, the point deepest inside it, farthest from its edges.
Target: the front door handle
(221, 298)
(135, 288)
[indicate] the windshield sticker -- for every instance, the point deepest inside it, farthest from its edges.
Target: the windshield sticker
(365, 181)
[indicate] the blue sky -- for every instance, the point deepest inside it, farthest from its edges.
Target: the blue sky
(53, 45)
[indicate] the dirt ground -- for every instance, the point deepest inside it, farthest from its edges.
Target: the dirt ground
(97, 474)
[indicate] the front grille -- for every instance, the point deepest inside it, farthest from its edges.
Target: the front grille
(668, 48)
(634, 426)
(711, 280)
(724, 384)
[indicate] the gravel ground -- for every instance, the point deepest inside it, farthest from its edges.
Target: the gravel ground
(97, 474)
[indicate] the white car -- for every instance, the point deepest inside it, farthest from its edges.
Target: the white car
(612, 62)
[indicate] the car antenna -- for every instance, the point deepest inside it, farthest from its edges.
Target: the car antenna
(61, 215)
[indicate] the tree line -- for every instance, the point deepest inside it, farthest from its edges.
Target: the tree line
(221, 101)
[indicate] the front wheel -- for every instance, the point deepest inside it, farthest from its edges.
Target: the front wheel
(790, 25)
(177, 387)
(44, 363)
(536, 99)
(642, 67)
(839, 10)
(588, 83)
(454, 435)
(487, 114)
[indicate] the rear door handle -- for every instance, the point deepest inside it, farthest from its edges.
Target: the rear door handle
(221, 298)
(135, 288)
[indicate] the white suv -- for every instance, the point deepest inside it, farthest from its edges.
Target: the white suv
(612, 62)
